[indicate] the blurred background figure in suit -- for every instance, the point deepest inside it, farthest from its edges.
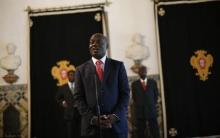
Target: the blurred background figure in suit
(145, 94)
(64, 97)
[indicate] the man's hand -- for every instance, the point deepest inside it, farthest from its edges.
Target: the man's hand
(113, 118)
(64, 103)
(104, 121)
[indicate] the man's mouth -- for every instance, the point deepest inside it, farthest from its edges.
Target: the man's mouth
(95, 50)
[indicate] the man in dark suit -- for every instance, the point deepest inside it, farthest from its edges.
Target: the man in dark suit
(64, 97)
(145, 94)
(108, 79)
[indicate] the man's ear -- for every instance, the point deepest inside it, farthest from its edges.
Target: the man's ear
(107, 42)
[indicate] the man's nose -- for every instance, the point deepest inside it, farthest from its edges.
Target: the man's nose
(93, 45)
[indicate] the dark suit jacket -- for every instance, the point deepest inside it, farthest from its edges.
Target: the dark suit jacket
(64, 93)
(113, 94)
(145, 101)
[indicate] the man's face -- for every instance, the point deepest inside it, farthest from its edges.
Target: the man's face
(142, 72)
(97, 46)
(71, 76)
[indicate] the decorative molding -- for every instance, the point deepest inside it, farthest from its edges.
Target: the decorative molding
(16, 96)
(66, 8)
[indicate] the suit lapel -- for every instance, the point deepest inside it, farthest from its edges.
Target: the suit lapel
(91, 69)
(106, 69)
(91, 66)
(140, 85)
(67, 88)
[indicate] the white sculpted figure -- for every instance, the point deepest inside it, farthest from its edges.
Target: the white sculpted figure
(137, 51)
(11, 61)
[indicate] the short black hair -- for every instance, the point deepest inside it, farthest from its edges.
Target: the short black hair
(70, 71)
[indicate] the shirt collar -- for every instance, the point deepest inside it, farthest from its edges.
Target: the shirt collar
(103, 59)
(145, 80)
(71, 84)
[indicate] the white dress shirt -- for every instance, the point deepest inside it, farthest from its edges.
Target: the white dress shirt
(103, 59)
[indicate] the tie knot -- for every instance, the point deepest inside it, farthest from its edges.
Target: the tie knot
(98, 62)
(99, 69)
(143, 82)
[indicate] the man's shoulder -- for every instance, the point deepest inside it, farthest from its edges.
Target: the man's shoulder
(63, 87)
(135, 82)
(83, 65)
(114, 61)
(151, 80)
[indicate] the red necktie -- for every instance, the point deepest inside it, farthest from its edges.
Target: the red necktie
(143, 85)
(99, 69)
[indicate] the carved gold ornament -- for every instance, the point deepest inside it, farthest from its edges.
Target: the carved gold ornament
(202, 62)
(59, 72)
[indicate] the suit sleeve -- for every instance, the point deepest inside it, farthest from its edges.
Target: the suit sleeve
(59, 96)
(156, 93)
(79, 97)
(124, 92)
(133, 92)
